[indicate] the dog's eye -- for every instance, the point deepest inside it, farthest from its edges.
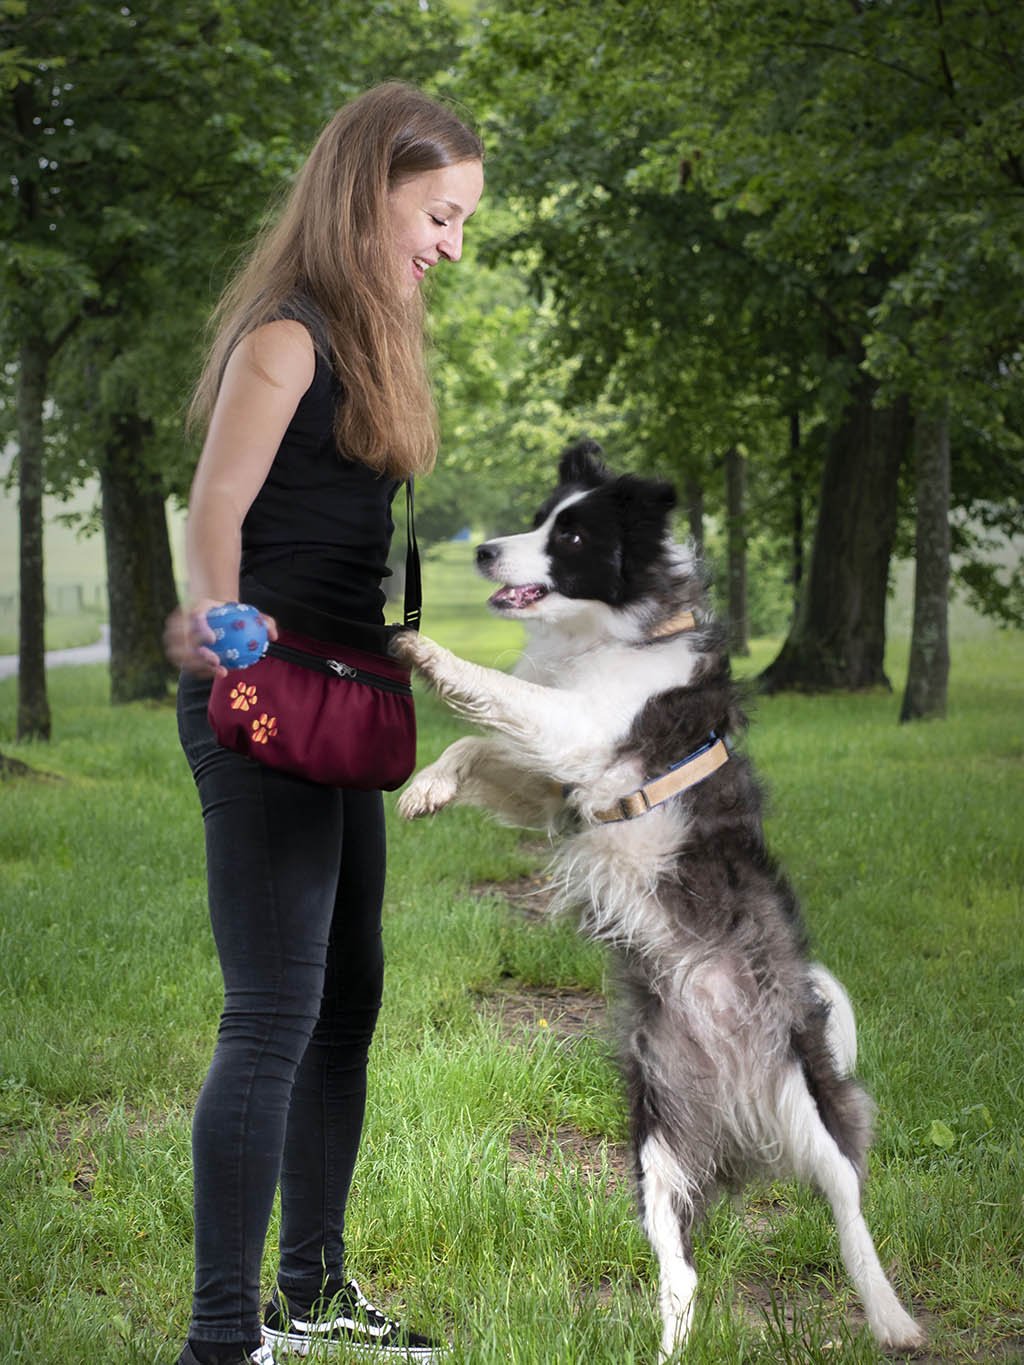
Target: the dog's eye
(566, 535)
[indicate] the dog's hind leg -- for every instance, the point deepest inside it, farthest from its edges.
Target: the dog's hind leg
(815, 1156)
(841, 1026)
(667, 1209)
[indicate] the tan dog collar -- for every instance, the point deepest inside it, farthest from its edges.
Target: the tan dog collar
(687, 773)
(683, 620)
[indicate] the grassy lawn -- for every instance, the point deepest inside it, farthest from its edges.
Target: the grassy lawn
(490, 1199)
(64, 630)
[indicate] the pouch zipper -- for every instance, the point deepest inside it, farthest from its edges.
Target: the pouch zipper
(337, 668)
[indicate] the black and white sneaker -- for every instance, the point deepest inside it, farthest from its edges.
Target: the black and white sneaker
(351, 1326)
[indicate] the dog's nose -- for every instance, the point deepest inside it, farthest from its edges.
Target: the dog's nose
(486, 554)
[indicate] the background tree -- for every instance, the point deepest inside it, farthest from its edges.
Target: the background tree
(919, 113)
(766, 194)
(146, 141)
(928, 673)
(789, 234)
(500, 386)
(736, 522)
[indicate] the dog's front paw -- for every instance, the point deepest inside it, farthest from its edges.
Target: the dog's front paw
(411, 648)
(401, 646)
(428, 793)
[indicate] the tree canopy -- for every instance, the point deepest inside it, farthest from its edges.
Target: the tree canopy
(732, 208)
(145, 142)
(806, 212)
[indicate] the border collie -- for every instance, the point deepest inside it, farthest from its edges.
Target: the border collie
(615, 734)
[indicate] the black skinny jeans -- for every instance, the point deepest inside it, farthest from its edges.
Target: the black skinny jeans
(296, 882)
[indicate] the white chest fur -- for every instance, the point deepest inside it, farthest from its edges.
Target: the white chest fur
(609, 681)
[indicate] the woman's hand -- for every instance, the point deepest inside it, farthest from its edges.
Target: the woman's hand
(187, 637)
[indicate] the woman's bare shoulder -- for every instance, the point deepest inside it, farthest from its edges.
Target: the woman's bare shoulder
(280, 353)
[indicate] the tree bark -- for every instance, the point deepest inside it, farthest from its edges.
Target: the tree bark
(694, 493)
(796, 489)
(165, 589)
(135, 531)
(837, 641)
(736, 512)
(928, 675)
(33, 704)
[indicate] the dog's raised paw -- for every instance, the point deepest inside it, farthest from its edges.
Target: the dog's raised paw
(414, 650)
(402, 646)
(428, 794)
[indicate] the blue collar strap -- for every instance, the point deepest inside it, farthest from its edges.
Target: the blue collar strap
(686, 773)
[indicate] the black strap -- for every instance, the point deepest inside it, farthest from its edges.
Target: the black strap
(413, 579)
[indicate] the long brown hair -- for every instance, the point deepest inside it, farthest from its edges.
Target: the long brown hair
(330, 246)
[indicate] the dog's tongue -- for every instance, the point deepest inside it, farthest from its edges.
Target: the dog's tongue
(523, 596)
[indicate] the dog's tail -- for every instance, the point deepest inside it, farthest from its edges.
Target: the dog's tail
(842, 1026)
(825, 1044)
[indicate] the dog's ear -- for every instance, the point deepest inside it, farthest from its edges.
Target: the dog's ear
(581, 463)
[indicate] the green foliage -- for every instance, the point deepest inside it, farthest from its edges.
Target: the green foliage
(732, 211)
(146, 143)
(769, 595)
(500, 394)
(690, 232)
(995, 591)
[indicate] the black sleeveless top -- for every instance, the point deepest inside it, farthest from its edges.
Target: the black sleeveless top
(319, 529)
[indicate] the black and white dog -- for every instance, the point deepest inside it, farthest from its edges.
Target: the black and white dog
(615, 733)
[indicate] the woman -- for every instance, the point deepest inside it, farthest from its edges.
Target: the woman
(318, 405)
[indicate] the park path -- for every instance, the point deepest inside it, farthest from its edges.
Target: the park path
(98, 653)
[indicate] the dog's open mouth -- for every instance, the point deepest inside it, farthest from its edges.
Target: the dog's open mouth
(512, 598)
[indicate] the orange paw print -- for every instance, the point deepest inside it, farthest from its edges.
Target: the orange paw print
(242, 697)
(263, 729)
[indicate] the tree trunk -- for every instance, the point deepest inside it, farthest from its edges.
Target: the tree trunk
(928, 675)
(694, 493)
(136, 544)
(165, 589)
(33, 704)
(796, 489)
(837, 641)
(736, 514)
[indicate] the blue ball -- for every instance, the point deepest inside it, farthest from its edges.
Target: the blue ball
(241, 636)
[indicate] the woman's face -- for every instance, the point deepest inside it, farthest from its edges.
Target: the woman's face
(428, 212)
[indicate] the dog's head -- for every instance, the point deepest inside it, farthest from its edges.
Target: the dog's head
(599, 538)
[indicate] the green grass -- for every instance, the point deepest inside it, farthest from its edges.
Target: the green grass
(906, 845)
(64, 630)
(76, 569)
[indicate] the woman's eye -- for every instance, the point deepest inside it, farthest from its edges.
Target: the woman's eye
(438, 222)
